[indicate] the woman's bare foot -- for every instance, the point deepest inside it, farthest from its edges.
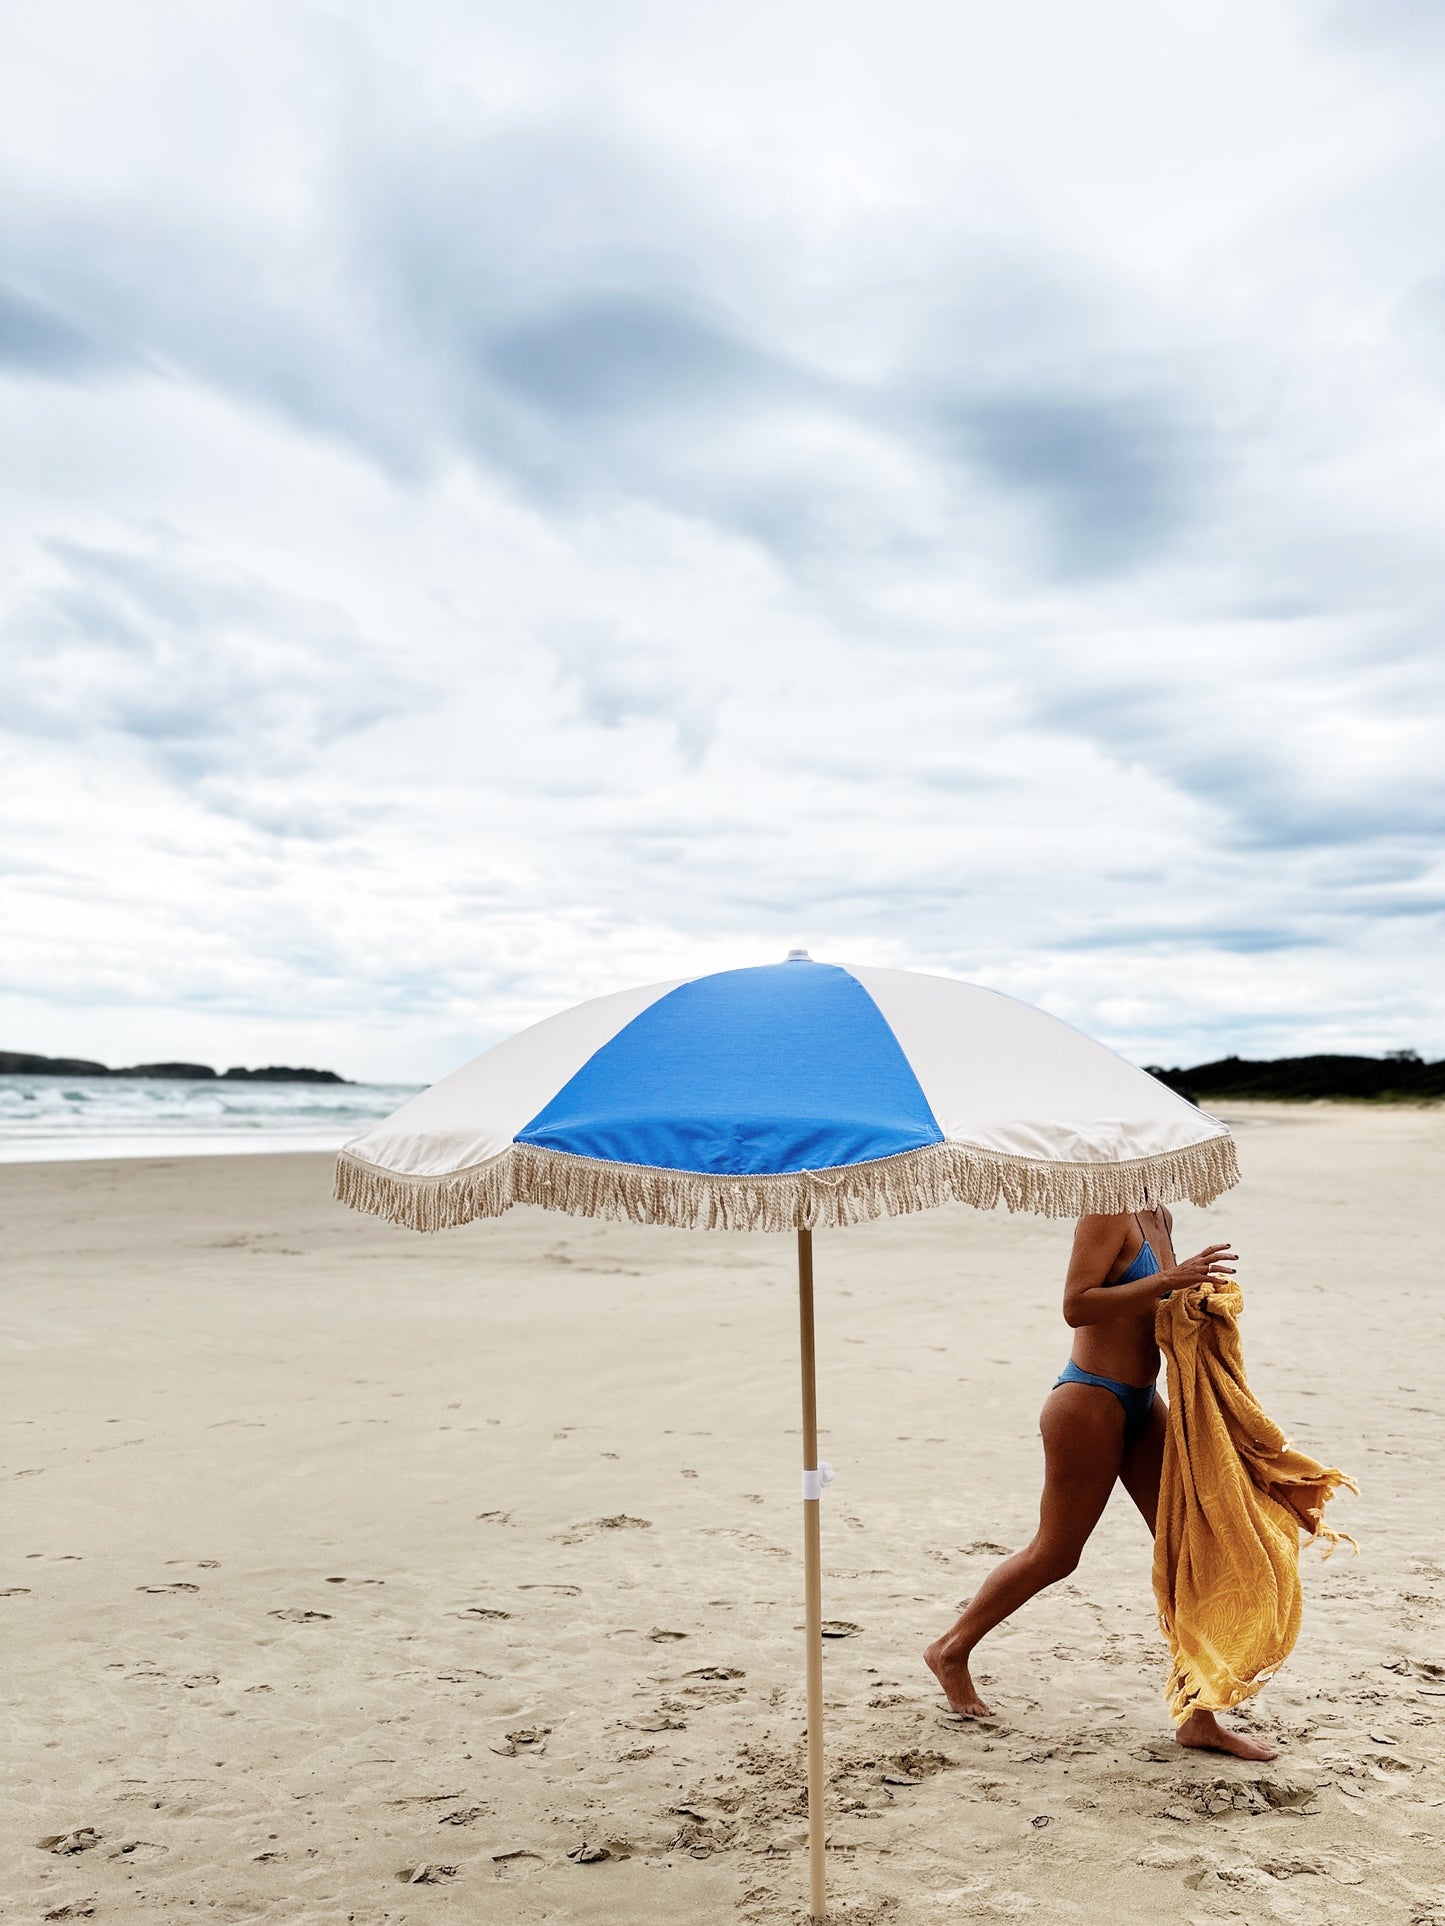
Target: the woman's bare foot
(951, 1671)
(1202, 1729)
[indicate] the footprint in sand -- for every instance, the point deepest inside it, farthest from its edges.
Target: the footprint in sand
(295, 1614)
(179, 1585)
(80, 1839)
(463, 1816)
(481, 1611)
(618, 1522)
(426, 1874)
(517, 1862)
(527, 1738)
(913, 1767)
(73, 1909)
(1272, 1791)
(593, 1852)
(15, 1591)
(1415, 1668)
(715, 1685)
(660, 1637)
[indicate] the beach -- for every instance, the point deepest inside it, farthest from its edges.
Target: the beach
(354, 1575)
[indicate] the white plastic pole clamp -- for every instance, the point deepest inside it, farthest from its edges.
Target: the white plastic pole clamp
(814, 1481)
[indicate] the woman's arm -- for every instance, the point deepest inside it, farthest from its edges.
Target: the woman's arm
(1098, 1241)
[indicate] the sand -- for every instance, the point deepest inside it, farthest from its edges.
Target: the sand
(352, 1575)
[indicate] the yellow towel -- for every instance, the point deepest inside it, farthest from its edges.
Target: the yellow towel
(1233, 1498)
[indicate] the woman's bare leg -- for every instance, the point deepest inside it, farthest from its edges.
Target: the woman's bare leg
(1083, 1433)
(1139, 1475)
(1143, 1464)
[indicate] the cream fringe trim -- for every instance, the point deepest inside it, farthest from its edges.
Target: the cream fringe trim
(916, 1180)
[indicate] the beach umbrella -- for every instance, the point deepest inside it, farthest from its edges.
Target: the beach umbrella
(790, 1097)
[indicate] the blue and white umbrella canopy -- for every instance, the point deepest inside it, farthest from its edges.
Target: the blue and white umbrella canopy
(798, 1094)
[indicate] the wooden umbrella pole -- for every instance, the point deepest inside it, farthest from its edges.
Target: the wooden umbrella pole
(813, 1581)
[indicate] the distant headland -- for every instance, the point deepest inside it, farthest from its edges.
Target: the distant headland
(1400, 1076)
(20, 1063)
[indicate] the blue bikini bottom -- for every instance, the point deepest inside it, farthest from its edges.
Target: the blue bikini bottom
(1137, 1399)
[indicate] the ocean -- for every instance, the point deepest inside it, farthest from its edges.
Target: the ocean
(43, 1118)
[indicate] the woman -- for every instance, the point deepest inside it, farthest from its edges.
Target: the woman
(1101, 1421)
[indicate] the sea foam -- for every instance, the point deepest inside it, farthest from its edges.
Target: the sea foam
(49, 1117)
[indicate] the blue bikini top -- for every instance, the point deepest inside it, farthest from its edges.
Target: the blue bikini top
(1146, 1264)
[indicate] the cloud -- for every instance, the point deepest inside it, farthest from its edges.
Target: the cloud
(615, 681)
(544, 299)
(1406, 25)
(628, 355)
(509, 506)
(1300, 738)
(1113, 476)
(35, 339)
(206, 670)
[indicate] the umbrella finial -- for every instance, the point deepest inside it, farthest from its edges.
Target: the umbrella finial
(799, 956)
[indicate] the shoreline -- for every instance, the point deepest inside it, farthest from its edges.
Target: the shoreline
(135, 1147)
(1287, 1105)
(132, 1150)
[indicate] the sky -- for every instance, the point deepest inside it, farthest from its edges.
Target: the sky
(502, 504)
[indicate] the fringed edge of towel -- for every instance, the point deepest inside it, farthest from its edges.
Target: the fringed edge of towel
(1186, 1690)
(814, 1199)
(1325, 1535)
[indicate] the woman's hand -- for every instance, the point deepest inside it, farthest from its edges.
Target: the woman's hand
(1213, 1260)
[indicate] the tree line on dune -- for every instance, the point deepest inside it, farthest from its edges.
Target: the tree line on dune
(1400, 1076)
(22, 1063)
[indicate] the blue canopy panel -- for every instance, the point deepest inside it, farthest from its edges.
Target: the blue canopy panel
(761, 1072)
